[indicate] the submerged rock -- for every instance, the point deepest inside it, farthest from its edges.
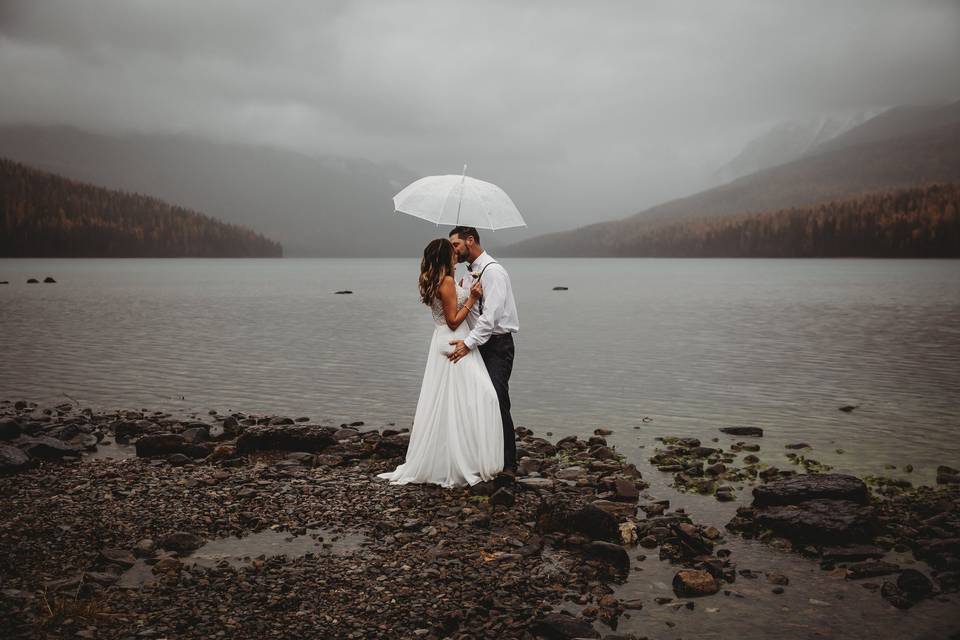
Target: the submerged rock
(756, 432)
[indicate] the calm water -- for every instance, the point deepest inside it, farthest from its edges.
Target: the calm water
(690, 344)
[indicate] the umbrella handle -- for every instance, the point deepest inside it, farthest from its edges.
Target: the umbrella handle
(463, 178)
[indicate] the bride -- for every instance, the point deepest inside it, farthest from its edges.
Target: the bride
(457, 434)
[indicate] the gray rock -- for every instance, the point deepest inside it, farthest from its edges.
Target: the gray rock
(9, 429)
(118, 556)
(800, 488)
(756, 432)
(308, 438)
(13, 460)
(45, 448)
(830, 521)
(914, 584)
(612, 554)
(181, 542)
(590, 521)
(503, 497)
(159, 444)
(563, 626)
(196, 435)
(875, 569)
(855, 552)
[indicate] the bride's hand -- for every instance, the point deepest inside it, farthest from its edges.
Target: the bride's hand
(476, 291)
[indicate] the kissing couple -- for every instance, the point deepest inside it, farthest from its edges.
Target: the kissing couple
(462, 432)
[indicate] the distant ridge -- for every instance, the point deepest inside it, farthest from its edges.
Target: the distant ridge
(901, 148)
(922, 222)
(46, 215)
(315, 206)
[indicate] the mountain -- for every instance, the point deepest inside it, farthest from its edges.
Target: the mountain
(901, 148)
(921, 222)
(787, 142)
(315, 206)
(46, 215)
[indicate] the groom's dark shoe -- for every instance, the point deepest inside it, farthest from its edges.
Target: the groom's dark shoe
(505, 478)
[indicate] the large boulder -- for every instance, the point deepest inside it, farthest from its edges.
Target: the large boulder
(9, 429)
(13, 460)
(590, 521)
(285, 438)
(46, 448)
(159, 444)
(612, 554)
(801, 488)
(820, 521)
(392, 446)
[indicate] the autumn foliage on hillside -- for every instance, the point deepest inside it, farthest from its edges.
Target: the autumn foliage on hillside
(922, 222)
(45, 215)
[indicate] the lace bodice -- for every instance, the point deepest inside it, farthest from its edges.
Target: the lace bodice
(436, 308)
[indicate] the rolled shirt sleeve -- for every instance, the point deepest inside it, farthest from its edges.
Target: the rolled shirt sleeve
(494, 299)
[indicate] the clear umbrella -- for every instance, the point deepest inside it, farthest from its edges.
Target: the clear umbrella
(459, 200)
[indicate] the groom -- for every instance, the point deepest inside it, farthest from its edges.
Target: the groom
(492, 324)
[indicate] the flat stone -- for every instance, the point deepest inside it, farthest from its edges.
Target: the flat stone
(756, 432)
(118, 556)
(873, 569)
(855, 552)
(539, 484)
(801, 488)
(45, 448)
(291, 437)
(820, 521)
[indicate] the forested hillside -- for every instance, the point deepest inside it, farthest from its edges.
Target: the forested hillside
(46, 215)
(922, 222)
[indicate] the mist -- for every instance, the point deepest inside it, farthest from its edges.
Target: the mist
(581, 112)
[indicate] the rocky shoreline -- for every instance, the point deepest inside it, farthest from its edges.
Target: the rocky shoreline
(122, 547)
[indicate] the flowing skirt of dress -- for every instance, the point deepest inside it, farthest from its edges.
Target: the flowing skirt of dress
(457, 433)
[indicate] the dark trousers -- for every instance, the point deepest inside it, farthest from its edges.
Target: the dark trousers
(497, 355)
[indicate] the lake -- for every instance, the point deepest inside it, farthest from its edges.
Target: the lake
(645, 347)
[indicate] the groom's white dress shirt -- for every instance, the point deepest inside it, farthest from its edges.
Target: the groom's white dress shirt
(499, 308)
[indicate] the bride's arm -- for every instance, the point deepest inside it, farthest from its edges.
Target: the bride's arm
(448, 298)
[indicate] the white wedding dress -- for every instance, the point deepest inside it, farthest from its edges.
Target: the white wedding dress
(457, 434)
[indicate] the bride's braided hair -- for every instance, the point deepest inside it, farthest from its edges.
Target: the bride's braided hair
(437, 262)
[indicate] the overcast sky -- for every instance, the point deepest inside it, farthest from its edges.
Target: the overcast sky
(582, 111)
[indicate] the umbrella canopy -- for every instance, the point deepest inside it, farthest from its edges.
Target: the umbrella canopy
(459, 200)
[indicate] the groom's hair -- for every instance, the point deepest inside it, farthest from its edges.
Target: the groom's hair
(466, 232)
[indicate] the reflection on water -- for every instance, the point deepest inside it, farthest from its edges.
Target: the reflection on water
(693, 344)
(815, 604)
(269, 542)
(240, 551)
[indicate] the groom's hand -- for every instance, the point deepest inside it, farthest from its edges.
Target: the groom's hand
(459, 350)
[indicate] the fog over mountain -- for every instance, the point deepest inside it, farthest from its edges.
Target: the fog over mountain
(581, 112)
